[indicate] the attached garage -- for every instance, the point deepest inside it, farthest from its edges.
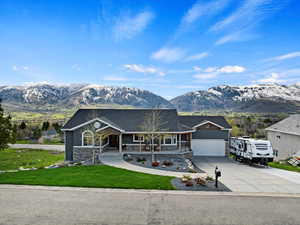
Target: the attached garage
(208, 147)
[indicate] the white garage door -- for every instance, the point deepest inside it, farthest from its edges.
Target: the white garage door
(208, 147)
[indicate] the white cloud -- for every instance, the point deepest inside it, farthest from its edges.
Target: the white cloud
(242, 35)
(20, 68)
(241, 23)
(212, 72)
(127, 27)
(197, 68)
(231, 69)
(144, 69)
(205, 75)
(197, 56)
(273, 78)
(76, 67)
(200, 9)
(169, 55)
(284, 57)
(210, 69)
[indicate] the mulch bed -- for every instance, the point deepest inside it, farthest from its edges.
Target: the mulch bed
(210, 186)
(178, 163)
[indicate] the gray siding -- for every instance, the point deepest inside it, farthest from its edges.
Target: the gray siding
(210, 134)
(285, 144)
(128, 139)
(69, 145)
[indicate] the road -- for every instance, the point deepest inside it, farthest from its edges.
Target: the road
(34, 205)
(39, 146)
(244, 178)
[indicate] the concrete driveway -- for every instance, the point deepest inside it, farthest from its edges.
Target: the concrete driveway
(244, 178)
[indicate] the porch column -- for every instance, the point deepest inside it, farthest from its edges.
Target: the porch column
(120, 143)
(179, 142)
(160, 143)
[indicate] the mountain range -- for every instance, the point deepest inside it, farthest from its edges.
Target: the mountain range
(252, 98)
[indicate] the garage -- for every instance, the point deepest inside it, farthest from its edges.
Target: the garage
(208, 147)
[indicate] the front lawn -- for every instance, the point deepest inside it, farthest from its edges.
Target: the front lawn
(46, 142)
(11, 159)
(100, 176)
(285, 166)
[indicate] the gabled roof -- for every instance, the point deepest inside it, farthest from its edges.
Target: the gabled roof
(192, 121)
(290, 125)
(128, 120)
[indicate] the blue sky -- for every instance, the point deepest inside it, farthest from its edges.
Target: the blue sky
(169, 47)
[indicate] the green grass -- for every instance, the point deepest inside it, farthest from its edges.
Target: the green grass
(285, 166)
(26, 142)
(88, 176)
(11, 159)
(46, 142)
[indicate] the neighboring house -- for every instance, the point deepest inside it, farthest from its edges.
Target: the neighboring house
(91, 131)
(285, 137)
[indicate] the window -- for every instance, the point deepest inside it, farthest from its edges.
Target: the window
(138, 138)
(170, 140)
(87, 138)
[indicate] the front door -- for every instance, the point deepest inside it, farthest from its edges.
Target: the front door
(114, 141)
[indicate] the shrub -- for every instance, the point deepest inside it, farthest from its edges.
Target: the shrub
(155, 164)
(143, 159)
(189, 183)
(167, 163)
(187, 177)
(208, 178)
(200, 181)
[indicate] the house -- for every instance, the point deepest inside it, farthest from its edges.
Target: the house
(92, 131)
(285, 137)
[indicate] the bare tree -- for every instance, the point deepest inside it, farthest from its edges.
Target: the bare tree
(152, 124)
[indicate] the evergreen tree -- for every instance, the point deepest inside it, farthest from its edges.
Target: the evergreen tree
(36, 133)
(7, 130)
(57, 127)
(23, 125)
(45, 125)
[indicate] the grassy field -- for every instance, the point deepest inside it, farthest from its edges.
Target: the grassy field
(11, 159)
(88, 176)
(285, 166)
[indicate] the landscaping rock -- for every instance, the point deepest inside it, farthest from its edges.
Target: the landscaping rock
(24, 169)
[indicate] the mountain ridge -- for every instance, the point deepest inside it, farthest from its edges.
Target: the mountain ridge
(251, 98)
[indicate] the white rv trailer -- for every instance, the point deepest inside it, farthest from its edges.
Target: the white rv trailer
(251, 150)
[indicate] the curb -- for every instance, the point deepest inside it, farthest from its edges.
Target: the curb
(144, 191)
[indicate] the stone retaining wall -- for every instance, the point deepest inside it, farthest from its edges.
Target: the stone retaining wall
(83, 153)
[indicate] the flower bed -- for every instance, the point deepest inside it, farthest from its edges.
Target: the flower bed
(162, 162)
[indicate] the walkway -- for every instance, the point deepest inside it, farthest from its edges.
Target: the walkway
(116, 160)
(60, 148)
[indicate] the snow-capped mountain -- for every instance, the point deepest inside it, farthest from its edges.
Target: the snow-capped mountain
(253, 98)
(74, 95)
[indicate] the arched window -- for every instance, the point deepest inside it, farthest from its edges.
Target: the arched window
(87, 138)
